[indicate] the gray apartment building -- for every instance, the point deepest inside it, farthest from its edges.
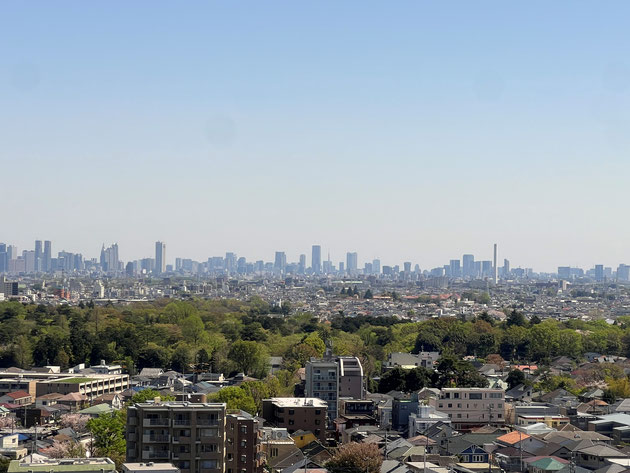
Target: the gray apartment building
(472, 407)
(333, 378)
(189, 435)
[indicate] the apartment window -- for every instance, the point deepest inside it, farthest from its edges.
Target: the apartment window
(243, 458)
(495, 395)
(243, 429)
(291, 422)
(440, 405)
(210, 448)
(500, 416)
(474, 396)
(477, 458)
(317, 422)
(455, 395)
(450, 406)
(274, 452)
(185, 465)
(500, 405)
(459, 405)
(291, 412)
(209, 463)
(243, 443)
(459, 416)
(318, 412)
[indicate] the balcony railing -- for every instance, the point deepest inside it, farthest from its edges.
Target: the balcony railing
(207, 421)
(156, 438)
(181, 422)
(153, 455)
(159, 422)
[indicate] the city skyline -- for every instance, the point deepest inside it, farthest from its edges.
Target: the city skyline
(463, 265)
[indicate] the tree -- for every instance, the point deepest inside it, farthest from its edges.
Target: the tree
(516, 318)
(620, 388)
(77, 422)
(356, 458)
(193, 329)
(236, 398)
(148, 395)
(65, 449)
(368, 294)
(108, 432)
(249, 357)
(514, 378)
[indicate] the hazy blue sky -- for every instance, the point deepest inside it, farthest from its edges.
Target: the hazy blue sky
(402, 130)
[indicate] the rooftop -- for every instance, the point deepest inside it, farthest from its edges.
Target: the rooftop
(298, 402)
(63, 464)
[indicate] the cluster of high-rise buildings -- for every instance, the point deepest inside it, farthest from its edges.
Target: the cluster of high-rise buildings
(41, 260)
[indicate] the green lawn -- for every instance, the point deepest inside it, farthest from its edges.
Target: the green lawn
(76, 380)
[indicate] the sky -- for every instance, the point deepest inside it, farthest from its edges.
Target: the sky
(408, 130)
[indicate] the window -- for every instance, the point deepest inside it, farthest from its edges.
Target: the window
(459, 416)
(440, 405)
(450, 405)
(291, 412)
(243, 458)
(477, 458)
(474, 396)
(459, 405)
(318, 412)
(455, 395)
(291, 422)
(209, 464)
(317, 422)
(243, 429)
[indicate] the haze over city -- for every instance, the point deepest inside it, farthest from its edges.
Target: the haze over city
(414, 131)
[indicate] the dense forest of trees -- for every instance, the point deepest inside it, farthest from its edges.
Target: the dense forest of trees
(230, 336)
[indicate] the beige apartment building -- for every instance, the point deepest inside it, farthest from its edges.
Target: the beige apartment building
(472, 407)
(293, 413)
(189, 435)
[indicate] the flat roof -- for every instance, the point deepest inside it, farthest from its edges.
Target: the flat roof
(63, 464)
(298, 402)
(149, 466)
(181, 405)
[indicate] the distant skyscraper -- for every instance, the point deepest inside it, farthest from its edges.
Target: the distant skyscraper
(599, 272)
(160, 257)
(351, 262)
(47, 266)
(456, 270)
(316, 259)
(623, 272)
(495, 267)
(376, 266)
(4, 258)
(506, 267)
(407, 266)
(302, 264)
(38, 255)
(468, 266)
(280, 261)
(230, 262)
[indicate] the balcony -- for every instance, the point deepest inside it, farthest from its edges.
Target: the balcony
(181, 422)
(162, 422)
(156, 438)
(162, 454)
(207, 421)
(319, 377)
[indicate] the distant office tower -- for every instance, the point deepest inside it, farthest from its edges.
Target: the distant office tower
(230, 262)
(456, 271)
(506, 267)
(599, 272)
(316, 259)
(47, 256)
(564, 272)
(376, 266)
(178, 264)
(342, 267)
(29, 261)
(160, 257)
(468, 266)
(351, 263)
(4, 258)
(38, 255)
(407, 266)
(280, 262)
(302, 264)
(495, 267)
(486, 269)
(623, 272)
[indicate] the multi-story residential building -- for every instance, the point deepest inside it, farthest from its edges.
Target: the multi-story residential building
(332, 378)
(9, 385)
(243, 444)
(472, 407)
(92, 386)
(190, 435)
(297, 414)
(425, 359)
